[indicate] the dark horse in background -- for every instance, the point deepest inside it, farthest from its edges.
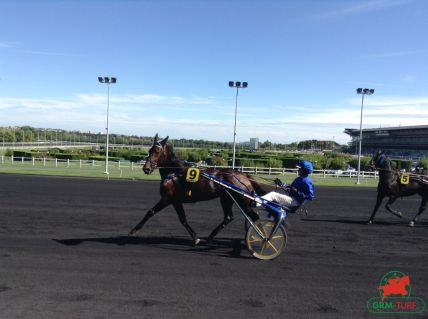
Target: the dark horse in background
(175, 190)
(390, 186)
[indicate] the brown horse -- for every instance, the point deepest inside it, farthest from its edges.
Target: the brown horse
(176, 190)
(390, 186)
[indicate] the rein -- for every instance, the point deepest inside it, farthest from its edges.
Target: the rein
(154, 165)
(264, 182)
(417, 176)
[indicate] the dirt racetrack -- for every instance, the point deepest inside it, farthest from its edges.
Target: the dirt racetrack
(65, 253)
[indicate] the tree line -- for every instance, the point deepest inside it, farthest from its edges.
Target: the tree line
(27, 134)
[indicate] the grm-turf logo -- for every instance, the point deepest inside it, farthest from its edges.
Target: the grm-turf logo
(395, 296)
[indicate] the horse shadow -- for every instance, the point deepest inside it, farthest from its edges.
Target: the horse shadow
(219, 247)
(362, 222)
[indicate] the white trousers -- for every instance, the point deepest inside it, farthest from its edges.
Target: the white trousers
(282, 199)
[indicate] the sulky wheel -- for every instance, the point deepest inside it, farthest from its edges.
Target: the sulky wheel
(263, 249)
(262, 213)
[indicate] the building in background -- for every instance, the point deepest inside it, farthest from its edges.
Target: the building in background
(254, 143)
(411, 141)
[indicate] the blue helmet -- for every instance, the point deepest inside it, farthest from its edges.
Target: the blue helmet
(306, 165)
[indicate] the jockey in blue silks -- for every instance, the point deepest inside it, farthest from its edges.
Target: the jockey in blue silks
(298, 192)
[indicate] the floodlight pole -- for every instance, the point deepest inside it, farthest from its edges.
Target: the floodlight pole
(238, 85)
(234, 129)
(108, 81)
(362, 92)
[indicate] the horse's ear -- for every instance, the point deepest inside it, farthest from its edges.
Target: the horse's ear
(155, 140)
(163, 142)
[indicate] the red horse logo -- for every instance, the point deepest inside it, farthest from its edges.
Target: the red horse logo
(395, 286)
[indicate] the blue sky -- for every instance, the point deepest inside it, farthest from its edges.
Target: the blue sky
(303, 61)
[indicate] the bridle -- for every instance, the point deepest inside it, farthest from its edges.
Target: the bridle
(376, 163)
(154, 164)
(380, 160)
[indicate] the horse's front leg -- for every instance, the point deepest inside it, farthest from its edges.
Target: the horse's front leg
(183, 220)
(420, 211)
(391, 200)
(158, 207)
(379, 199)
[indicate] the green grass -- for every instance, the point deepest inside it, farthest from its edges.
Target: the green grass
(323, 181)
(345, 181)
(74, 169)
(128, 172)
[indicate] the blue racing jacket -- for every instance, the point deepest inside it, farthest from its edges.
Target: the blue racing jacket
(302, 189)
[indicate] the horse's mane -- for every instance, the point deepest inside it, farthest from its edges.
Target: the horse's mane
(391, 164)
(172, 154)
(173, 157)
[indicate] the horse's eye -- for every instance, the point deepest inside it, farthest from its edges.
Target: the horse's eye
(154, 150)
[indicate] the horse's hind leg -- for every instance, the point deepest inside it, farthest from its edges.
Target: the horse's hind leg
(158, 207)
(391, 200)
(182, 216)
(420, 211)
(379, 199)
(226, 204)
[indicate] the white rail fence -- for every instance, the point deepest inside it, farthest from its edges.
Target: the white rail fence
(56, 162)
(121, 165)
(287, 171)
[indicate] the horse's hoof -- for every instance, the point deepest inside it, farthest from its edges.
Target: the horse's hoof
(132, 233)
(369, 222)
(196, 241)
(399, 215)
(412, 224)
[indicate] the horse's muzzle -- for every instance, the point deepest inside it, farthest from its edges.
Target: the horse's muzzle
(147, 170)
(149, 166)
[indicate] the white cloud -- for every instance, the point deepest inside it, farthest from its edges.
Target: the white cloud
(36, 104)
(389, 110)
(386, 55)
(49, 53)
(209, 118)
(394, 101)
(362, 7)
(18, 48)
(409, 78)
(146, 99)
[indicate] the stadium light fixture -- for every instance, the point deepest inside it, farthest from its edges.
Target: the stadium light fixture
(238, 85)
(108, 81)
(362, 92)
